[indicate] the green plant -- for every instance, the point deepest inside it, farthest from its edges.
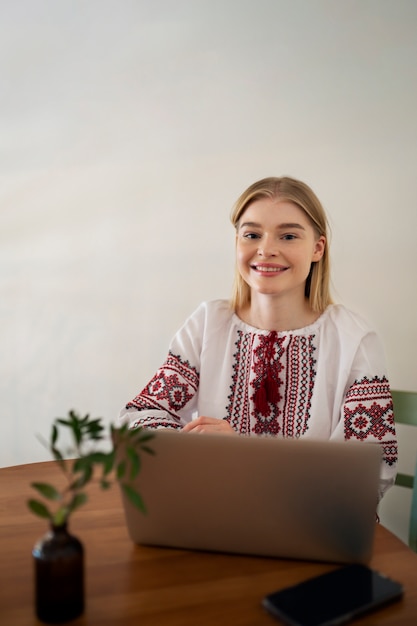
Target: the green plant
(122, 463)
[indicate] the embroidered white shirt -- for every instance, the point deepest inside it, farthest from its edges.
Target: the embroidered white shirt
(328, 380)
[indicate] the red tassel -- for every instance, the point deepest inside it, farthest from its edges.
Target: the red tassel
(268, 391)
(272, 392)
(260, 399)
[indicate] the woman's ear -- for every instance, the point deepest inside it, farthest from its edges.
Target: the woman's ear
(319, 247)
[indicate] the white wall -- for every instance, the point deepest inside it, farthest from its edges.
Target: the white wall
(128, 128)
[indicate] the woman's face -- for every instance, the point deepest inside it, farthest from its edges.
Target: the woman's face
(276, 245)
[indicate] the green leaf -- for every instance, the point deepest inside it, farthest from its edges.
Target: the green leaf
(48, 491)
(99, 458)
(105, 484)
(94, 429)
(80, 464)
(74, 417)
(121, 470)
(136, 433)
(60, 420)
(59, 458)
(134, 462)
(39, 509)
(54, 435)
(57, 454)
(82, 480)
(148, 450)
(134, 497)
(95, 424)
(77, 433)
(140, 439)
(78, 500)
(146, 436)
(61, 516)
(109, 462)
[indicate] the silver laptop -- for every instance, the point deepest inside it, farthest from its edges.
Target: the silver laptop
(303, 499)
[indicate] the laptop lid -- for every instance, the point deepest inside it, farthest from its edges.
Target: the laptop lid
(304, 499)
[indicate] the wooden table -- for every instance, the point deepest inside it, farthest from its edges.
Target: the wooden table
(143, 586)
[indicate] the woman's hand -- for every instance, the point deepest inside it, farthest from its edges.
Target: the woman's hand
(209, 425)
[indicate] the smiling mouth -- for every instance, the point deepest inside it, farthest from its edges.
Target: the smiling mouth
(268, 268)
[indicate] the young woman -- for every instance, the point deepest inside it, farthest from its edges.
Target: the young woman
(280, 359)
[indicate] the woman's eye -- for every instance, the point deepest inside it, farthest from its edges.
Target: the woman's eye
(289, 237)
(251, 236)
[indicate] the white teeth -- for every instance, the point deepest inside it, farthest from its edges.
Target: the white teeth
(261, 268)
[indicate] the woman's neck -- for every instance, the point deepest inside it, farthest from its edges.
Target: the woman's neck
(269, 313)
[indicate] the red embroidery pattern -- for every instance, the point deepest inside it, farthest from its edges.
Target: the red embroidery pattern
(300, 383)
(238, 410)
(149, 422)
(267, 369)
(285, 362)
(368, 415)
(174, 384)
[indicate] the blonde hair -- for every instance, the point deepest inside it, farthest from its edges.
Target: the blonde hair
(317, 288)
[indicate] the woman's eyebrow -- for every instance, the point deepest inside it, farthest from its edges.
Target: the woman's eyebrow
(283, 226)
(291, 225)
(250, 225)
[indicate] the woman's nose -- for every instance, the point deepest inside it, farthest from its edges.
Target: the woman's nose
(268, 247)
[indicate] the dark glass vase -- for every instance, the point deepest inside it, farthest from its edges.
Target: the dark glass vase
(59, 576)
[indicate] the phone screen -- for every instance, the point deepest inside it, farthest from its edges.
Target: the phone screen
(332, 598)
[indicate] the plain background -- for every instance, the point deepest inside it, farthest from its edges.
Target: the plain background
(129, 128)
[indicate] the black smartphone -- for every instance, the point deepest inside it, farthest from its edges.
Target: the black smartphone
(333, 598)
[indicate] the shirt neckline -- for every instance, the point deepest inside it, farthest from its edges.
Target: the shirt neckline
(310, 328)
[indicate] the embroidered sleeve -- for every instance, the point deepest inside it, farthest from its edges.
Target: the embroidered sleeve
(367, 411)
(368, 416)
(170, 398)
(166, 397)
